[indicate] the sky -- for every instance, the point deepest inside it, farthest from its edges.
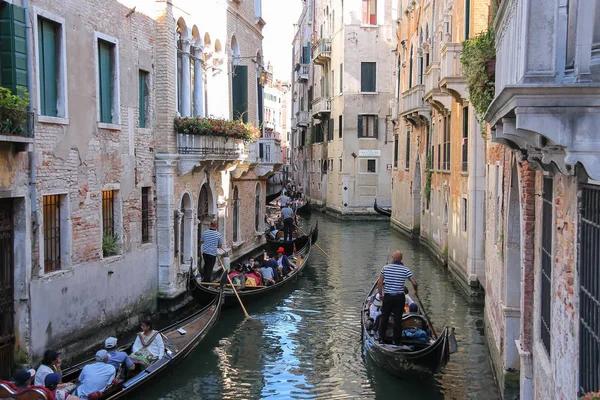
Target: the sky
(280, 16)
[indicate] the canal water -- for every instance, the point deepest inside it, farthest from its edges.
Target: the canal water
(304, 342)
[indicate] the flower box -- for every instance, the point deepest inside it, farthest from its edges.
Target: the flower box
(217, 127)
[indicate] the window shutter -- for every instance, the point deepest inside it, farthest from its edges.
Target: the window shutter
(360, 126)
(47, 65)
(259, 94)
(376, 126)
(142, 105)
(105, 78)
(340, 129)
(13, 56)
(239, 88)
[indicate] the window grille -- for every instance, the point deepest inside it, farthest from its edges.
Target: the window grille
(108, 212)
(145, 214)
(51, 233)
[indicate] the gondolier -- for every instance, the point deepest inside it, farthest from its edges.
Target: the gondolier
(211, 241)
(287, 214)
(391, 288)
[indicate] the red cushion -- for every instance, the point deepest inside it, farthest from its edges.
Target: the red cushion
(94, 396)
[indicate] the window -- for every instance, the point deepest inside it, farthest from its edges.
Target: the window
(239, 91)
(467, 18)
(340, 160)
(108, 88)
(330, 129)
(52, 233)
(464, 214)
(396, 143)
(410, 68)
(341, 78)
(368, 77)
(331, 164)
(108, 213)
(439, 156)
(465, 139)
(340, 130)
(236, 214)
(143, 106)
(407, 166)
(446, 165)
(546, 260)
(145, 214)
(332, 82)
(51, 74)
(367, 126)
(369, 12)
(372, 166)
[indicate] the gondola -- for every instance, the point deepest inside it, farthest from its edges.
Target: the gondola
(177, 347)
(382, 211)
(298, 242)
(413, 359)
(203, 292)
(273, 196)
(304, 208)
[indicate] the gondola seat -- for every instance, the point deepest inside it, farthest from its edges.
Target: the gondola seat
(10, 391)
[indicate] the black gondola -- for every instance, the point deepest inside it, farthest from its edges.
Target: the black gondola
(413, 358)
(304, 208)
(177, 347)
(273, 196)
(382, 211)
(203, 292)
(298, 242)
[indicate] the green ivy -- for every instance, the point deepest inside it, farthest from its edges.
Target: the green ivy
(428, 175)
(110, 245)
(475, 53)
(13, 111)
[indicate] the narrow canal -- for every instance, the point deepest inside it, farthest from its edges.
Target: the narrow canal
(304, 341)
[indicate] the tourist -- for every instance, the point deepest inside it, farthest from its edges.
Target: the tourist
(375, 308)
(52, 384)
(282, 261)
(413, 309)
(95, 377)
(268, 275)
(409, 299)
(284, 200)
(253, 278)
(211, 241)
(271, 263)
(287, 214)
(51, 363)
(148, 346)
(391, 288)
(236, 276)
(117, 358)
(24, 378)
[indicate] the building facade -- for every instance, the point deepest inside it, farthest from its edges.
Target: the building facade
(439, 178)
(98, 187)
(543, 199)
(343, 59)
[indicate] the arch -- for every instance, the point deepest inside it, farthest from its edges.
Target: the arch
(218, 46)
(235, 199)
(196, 38)
(257, 206)
(182, 29)
(206, 211)
(445, 216)
(184, 227)
(235, 51)
(512, 273)
(207, 41)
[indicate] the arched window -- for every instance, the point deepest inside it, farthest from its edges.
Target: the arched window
(236, 215)
(410, 68)
(181, 35)
(204, 213)
(184, 245)
(428, 49)
(257, 208)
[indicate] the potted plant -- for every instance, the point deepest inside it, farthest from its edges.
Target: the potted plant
(217, 127)
(591, 396)
(13, 111)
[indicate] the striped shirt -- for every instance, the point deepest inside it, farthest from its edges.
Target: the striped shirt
(394, 277)
(211, 239)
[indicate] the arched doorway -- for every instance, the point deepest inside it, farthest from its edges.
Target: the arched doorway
(236, 214)
(206, 213)
(417, 199)
(185, 230)
(513, 274)
(257, 207)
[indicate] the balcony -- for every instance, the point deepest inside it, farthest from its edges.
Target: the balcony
(451, 77)
(302, 119)
(414, 108)
(321, 108)
(394, 107)
(302, 73)
(269, 125)
(433, 94)
(199, 150)
(321, 51)
(18, 134)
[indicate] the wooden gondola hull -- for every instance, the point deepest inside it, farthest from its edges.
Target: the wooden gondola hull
(304, 209)
(382, 211)
(273, 196)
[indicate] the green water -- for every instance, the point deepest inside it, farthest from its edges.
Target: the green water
(304, 341)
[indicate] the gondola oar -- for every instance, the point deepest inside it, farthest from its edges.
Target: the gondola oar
(234, 290)
(319, 247)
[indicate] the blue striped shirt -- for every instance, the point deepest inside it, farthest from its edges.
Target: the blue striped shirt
(394, 277)
(211, 239)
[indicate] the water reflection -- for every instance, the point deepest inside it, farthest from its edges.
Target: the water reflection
(304, 341)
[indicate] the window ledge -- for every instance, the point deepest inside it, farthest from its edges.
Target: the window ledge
(145, 130)
(112, 127)
(235, 245)
(369, 93)
(52, 120)
(113, 259)
(464, 173)
(258, 234)
(54, 274)
(369, 25)
(368, 138)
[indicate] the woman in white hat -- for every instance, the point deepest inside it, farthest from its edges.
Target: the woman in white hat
(375, 308)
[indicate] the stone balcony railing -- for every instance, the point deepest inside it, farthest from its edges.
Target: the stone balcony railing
(322, 51)
(414, 108)
(433, 94)
(302, 118)
(21, 136)
(210, 147)
(302, 73)
(451, 76)
(321, 106)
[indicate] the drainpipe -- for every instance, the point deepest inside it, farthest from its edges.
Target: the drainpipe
(32, 182)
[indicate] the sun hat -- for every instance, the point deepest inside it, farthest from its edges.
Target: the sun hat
(281, 250)
(101, 355)
(110, 343)
(24, 375)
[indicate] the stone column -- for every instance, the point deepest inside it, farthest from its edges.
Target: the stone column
(166, 171)
(198, 83)
(185, 78)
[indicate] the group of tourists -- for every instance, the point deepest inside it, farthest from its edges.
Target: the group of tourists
(273, 269)
(110, 366)
(392, 298)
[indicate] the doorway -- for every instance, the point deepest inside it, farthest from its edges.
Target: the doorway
(7, 334)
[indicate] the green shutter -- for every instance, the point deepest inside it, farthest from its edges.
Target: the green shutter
(360, 126)
(467, 18)
(105, 80)
(142, 105)
(239, 89)
(260, 95)
(342, 78)
(367, 77)
(47, 67)
(13, 56)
